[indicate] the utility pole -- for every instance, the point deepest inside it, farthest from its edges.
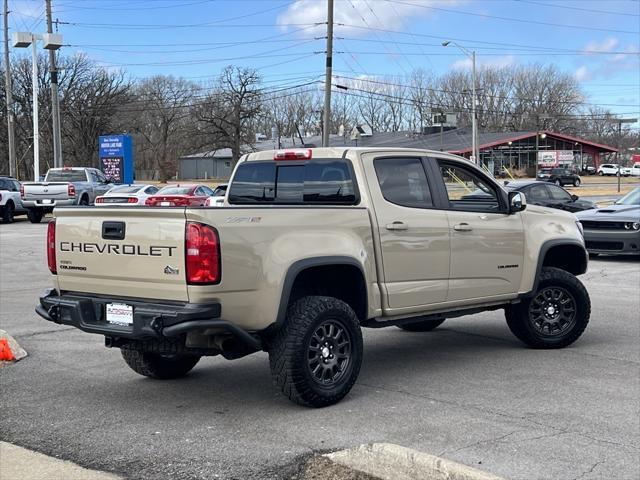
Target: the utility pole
(327, 82)
(9, 94)
(474, 122)
(55, 101)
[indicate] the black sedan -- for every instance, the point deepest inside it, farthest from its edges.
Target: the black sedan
(549, 195)
(614, 229)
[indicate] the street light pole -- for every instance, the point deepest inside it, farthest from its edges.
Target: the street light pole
(474, 120)
(36, 132)
(55, 100)
(50, 42)
(9, 97)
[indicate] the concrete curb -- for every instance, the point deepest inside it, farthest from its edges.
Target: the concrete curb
(393, 462)
(18, 352)
(20, 463)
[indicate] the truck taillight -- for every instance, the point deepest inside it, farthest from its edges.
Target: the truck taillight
(71, 190)
(202, 252)
(21, 191)
(51, 247)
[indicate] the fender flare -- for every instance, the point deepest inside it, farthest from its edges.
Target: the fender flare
(544, 249)
(299, 266)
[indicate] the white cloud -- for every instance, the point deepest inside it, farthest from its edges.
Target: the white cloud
(606, 45)
(385, 15)
(582, 73)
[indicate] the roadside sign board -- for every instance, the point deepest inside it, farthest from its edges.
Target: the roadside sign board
(116, 157)
(555, 158)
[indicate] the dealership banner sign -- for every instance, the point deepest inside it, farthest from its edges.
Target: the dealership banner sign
(555, 158)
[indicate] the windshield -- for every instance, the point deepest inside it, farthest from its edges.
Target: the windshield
(631, 198)
(126, 189)
(66, 176)
(175, 190)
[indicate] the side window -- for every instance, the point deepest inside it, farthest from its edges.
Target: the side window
(16, 186)
(101, 176)
(559, 194)
(151, 190)
(93, 176)
(3, 184)
(403, 182)
(199, 192)
(538, 193)
(467, 191)
(207, 191)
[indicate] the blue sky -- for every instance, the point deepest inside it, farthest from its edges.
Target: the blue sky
(591, 39)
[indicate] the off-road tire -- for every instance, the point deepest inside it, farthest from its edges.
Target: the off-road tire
(520, 317)
(423, 325)
(576, 183)
(161, 367)
(34, 216)
(291, 351)
(7, 212)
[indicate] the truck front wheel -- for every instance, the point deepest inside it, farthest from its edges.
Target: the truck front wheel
(34, 215)
(555, 315)
(161, 367)
(315, 356)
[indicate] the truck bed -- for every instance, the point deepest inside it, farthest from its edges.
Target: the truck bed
(257, 246)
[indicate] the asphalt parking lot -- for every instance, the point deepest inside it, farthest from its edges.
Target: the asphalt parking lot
(468, 391)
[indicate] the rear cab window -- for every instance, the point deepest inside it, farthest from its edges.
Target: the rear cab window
(66, 176)
(308, 182)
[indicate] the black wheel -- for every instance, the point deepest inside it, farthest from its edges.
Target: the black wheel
(7, 213)
(557, 313)
(316, 355)
(34, 215)
(423, 325)
(558, 183)
(158, 366)
(84, 201)
(576, 182)
(601, 173)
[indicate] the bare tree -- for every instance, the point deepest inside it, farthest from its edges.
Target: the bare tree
(229, 113)
(161, 121)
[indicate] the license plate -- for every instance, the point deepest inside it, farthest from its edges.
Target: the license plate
(46, 200)
(119, 313)
(165, 204)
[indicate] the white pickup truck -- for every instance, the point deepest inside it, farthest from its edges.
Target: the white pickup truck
(634, 170)
(65, 186)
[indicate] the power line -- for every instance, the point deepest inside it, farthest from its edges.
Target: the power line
(512, 19)
(567, 7)
(456, 92)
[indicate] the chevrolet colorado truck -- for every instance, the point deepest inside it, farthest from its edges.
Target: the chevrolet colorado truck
(310, 246)
(63, 187)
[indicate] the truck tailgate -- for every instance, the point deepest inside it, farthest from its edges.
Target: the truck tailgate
(147, 262)
(46, 190)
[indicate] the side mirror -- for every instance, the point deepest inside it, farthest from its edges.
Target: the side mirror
(574, 197)
(517, 202)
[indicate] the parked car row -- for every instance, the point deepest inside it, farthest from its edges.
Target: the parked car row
(180, 195)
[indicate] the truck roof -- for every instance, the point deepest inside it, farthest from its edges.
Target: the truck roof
(338, 152)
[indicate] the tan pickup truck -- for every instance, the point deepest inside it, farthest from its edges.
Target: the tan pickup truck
(310, 246)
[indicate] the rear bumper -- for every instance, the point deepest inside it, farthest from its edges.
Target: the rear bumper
(150, 320)
(54, 203)
(612, 241)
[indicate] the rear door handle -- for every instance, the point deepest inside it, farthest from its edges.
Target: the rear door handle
(397, 226)
(462, 227)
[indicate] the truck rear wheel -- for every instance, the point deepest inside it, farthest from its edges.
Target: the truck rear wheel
(34, 215)
(7, 213)
(423, 325)
(316, 355)
(155, 365)
(557, 313)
